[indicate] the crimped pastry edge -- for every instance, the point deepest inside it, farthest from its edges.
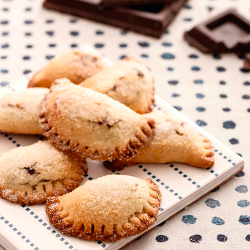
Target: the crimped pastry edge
(68, 228)
(46, 189)
(205, 163)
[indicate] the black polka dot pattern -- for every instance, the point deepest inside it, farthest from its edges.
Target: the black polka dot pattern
(223, 96)
(27, 71)
(122, 57)
(226, 109)
(229, 125)
(201, 123)
(234, 141)
(167, 56)
(99, 45)
(195, 68)
(248, 237)
(166, 44)
(50, 33)
(223, 83)
(240, 174)
(199, 81)
(199, 95)
(217, 56)
(99, 32)
(123, 45)
(243, 70)
(221, 238)
(144, 44)
(161, 238)
(200, 109)
(246, 97)
(178, 108)
(221, 69)
(173, 82)
(195, 238)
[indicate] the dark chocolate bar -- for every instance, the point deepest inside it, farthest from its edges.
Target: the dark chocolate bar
(132, 2)
(227, 32)
(151, 19)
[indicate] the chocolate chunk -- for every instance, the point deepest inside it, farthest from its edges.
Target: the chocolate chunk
(226, 32)
(178, 132)
(30, 170)
(15, 106)
(114, 88)
(125, 2)
(150, 19)
(139, 73)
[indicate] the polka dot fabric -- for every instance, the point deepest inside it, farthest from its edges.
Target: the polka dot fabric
(212, 90)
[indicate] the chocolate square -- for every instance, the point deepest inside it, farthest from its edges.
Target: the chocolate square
(151, 19)
(132, 2)
(227, 32)
(247, 64)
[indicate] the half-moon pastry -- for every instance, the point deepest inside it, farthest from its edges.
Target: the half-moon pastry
(128, 82)
(173, 141)
(91, 124)
(76, 65)
(19, 111)
(110, 208)
(31, 174)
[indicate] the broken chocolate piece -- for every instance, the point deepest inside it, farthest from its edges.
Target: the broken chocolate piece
(226, 32)
(30, 170)
(247, 64)
(150, 19)
(125, 2)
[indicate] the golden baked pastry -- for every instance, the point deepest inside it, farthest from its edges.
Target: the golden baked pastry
(91, 124)
(173, 141)
(76, 65)
(19, 111)
(128, 82)
(110, 208)
(29, 175)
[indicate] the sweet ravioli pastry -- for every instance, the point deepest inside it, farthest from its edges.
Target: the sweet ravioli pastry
(28, 175)
(109, 208)
(76, 65)
(173, 141)
(19, 111)
(128, 82)
(92, 125)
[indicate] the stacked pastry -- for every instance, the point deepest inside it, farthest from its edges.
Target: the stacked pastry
(97, 112)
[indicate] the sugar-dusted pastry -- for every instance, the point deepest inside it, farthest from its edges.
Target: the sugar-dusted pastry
(110, 208)
(31, 174)
(92, 125)
(173, 141)
(76, 65)
(19, 111)
(128, 82)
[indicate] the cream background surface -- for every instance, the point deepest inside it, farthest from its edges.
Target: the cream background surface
(176, 231)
